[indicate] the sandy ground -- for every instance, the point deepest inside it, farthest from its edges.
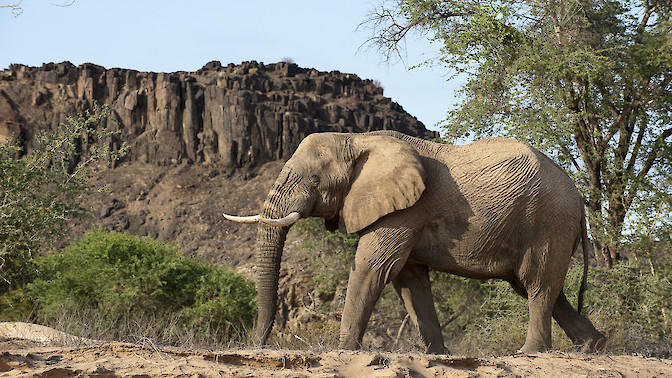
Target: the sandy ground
(28, 350)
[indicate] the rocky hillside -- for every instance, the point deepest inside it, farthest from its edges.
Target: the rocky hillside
(235, 115)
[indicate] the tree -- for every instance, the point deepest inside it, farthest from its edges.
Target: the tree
(586, 81)
(40, 192)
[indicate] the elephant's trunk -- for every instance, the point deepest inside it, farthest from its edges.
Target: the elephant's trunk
(271, 240)
(271, 243)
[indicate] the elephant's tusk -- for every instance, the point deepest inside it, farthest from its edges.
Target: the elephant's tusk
(282, 222)
(250, 219)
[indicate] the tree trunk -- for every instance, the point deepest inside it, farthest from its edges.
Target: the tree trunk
(598, 233)
(615, 218)
(602, 254)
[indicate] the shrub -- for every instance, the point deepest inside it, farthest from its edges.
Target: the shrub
(493, 322)
(319, 334)
(126, 279)
(631, 305)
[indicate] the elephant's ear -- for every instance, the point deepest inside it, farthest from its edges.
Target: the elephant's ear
(388, 176)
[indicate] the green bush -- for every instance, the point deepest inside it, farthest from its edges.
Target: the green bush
(488, 317)
(126, 279)
(631, 305)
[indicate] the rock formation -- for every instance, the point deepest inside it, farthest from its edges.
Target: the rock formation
(235, 115)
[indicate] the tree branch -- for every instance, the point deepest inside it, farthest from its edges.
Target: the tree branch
(648, 164)
(645, 20)
(653, 154)
(388, 32)
(654, 91)
(64, 4)
(454, 316)
(638, 144)
(616, 125)
(16, 8)
(624, 141)
(400, 332)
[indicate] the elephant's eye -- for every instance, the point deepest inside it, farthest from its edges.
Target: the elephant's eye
(315, 179)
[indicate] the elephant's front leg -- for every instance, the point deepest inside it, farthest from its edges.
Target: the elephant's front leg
(381, 254)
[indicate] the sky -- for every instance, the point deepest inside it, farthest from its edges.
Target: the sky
(169, 36)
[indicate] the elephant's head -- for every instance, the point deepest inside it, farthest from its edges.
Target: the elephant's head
(350, 180)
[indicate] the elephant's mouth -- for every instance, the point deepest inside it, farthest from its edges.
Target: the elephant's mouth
(331, 224)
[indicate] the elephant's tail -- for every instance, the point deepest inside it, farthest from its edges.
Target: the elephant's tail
(584, 279)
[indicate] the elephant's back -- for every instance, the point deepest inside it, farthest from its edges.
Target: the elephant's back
(494, 165)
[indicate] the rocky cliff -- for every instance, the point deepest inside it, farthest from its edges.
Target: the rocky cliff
(233, 115)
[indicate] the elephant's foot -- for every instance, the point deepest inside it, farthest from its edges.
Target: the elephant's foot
(577, 327)
(591, 341)
(532, 348)
(437, 349)
(349, 344)
(594, 345)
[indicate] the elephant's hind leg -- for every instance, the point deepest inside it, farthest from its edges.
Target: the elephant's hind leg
(577, 327)
(539, 328)
(412, 285)
(542, 274)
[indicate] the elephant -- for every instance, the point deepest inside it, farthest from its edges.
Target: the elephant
(493, 208)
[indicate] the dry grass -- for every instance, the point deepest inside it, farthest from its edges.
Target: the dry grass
(145, 329)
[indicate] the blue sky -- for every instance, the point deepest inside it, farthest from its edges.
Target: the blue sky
(168, 36)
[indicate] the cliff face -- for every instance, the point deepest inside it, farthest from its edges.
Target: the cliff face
(234, 115)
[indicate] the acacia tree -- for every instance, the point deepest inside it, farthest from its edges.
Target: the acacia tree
(586, 81)
(41, 192)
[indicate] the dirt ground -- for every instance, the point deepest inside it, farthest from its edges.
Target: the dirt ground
(28, 350)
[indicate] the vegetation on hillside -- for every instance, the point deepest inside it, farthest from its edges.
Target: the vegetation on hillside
(109, 286)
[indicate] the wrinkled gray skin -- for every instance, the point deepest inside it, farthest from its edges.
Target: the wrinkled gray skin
(495, 208)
